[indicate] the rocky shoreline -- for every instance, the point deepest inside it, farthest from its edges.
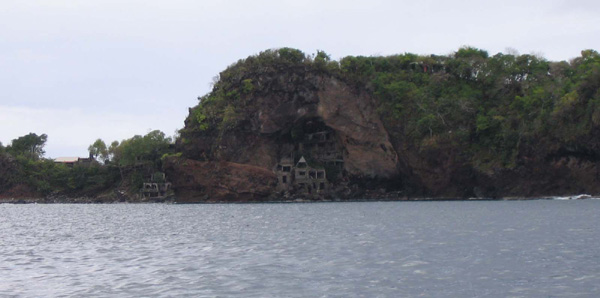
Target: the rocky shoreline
(80, 200)
(380, 197)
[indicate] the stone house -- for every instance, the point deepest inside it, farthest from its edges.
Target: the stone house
(284, 172)
(308, 178)
(324, 151)
(300, 176)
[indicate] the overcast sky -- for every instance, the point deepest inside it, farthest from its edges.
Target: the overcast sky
(111, 69)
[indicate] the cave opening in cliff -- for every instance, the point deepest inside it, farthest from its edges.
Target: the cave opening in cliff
(305, 128)
(317, 142)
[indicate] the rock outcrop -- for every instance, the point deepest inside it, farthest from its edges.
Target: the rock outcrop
(209, 181)
(368, 151)
(275, 122)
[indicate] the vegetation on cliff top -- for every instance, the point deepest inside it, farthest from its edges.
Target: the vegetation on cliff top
(495, 109)
(224, 107)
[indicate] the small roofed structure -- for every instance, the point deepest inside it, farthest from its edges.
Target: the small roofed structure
(71, 161)
(66, 160)
(309, 178)
(300, 176)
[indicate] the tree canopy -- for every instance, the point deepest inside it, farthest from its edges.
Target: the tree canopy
(140, 149)
(30, 146)
(98, 150)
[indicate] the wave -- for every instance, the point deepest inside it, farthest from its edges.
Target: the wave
(575, 197)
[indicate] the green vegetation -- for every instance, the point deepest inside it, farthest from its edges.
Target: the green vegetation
(98, 150)
(224, 108)
(141, 150)
(126, 163)
(490, 107)
(23, 164)
(30, 146)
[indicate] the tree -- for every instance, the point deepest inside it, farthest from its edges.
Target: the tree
(141, 149)
(30, 146)
(291, 55)
(321, 59)
(98, 149)
(113, 151)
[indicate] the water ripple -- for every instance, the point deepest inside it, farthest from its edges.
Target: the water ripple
(395, 249)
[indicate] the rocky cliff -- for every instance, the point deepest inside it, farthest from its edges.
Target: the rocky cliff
(407, 125)
(285, 107)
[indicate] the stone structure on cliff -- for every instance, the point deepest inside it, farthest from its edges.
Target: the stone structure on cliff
(325, 153)
(300, 177)
(323, 147)
(158, 187)
(284, 171)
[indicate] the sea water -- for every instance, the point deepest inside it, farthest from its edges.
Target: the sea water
(380, 249)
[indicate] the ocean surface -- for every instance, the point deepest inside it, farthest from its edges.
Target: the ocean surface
(545, 248)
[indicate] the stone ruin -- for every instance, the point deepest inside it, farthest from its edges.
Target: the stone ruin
(309, 177)
(158, 187)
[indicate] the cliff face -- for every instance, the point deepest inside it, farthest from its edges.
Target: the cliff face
(544, 168)
(293, 106)
(367, 148)
(548, 167)
(315, 103)
(467, 125)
